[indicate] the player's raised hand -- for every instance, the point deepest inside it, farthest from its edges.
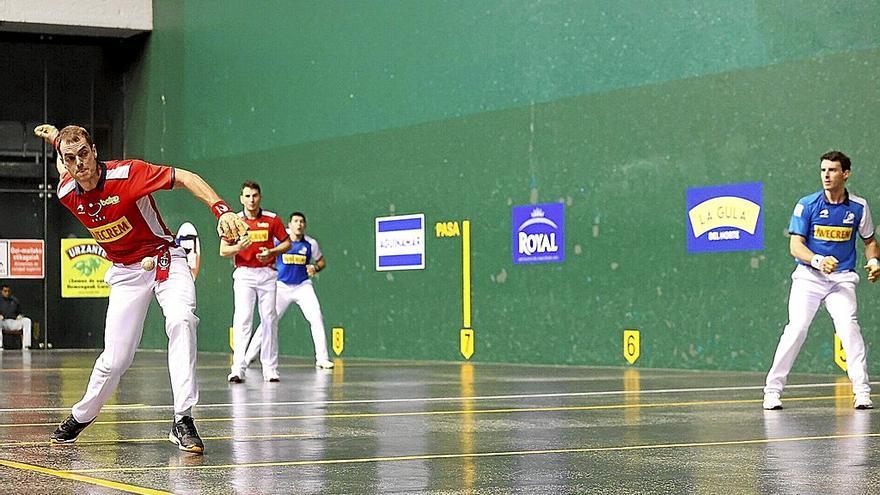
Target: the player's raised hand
(231, 227)
(47, 132)
(873, 268)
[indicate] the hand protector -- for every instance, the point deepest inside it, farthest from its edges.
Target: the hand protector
(231, 227)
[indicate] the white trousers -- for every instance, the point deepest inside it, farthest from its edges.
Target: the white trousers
(131, 289)
(23, 325)
(809, 288)
(252, 285)
(304, 296)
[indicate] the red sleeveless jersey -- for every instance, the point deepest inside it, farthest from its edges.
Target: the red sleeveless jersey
(120, 212)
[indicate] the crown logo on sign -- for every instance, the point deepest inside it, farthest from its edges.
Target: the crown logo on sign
(537, 213)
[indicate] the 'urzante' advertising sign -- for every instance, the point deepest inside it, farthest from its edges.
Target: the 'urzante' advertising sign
(400, 242)
(538, 233)
(725, 218)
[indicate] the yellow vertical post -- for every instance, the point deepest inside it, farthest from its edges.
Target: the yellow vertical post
(466, 273)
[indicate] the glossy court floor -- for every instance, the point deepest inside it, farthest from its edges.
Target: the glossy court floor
(439, 428)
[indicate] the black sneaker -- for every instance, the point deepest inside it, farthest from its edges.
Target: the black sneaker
(68, 430)
(184, 434)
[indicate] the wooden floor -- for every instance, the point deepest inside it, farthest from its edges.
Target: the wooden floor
(439, 428)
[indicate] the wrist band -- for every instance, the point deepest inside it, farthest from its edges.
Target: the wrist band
(873, 262)
(816, 262)
(219, 208)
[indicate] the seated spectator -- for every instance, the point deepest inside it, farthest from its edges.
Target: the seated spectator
(11, 318)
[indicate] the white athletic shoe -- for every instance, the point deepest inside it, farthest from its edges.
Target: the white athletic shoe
(324, 364)
(771, 401)
(863, 400)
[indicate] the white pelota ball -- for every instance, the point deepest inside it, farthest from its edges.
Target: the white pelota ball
(148, 263)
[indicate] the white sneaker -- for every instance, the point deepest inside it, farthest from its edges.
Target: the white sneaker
(324, 364)
(771, 401)
(863, 400)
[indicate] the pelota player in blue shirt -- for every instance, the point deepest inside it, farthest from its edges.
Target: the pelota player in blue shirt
(296, 266)
(823, 242)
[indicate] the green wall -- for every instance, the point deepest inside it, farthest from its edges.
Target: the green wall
(460, 110)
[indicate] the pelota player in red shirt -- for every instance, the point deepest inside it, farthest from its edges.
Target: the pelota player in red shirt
(254, 281)
(113, 200)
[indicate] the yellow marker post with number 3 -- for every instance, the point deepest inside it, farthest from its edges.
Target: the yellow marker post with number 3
(631, 345)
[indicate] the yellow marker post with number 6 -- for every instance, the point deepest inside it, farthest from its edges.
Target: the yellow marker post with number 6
(467, 342)
(631, 345)
(338, 340)
(839, 353)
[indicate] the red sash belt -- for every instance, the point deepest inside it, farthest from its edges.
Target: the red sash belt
(163, 264)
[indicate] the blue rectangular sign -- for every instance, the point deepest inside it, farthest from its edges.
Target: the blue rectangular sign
(400, 242)
(538, 233)
(725, 218)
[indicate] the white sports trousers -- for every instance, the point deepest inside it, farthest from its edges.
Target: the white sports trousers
(809, 288)
(131, 289)
(252, 285)
(304, 296)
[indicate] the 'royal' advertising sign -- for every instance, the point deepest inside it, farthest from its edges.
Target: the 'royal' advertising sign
(538, 233)
(725, 218)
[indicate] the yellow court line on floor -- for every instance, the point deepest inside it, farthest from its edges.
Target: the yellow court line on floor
(465, 455)
(242, 438)
(508, 410)
(69, 475)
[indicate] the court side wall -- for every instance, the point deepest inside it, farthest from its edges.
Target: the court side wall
(462, 110)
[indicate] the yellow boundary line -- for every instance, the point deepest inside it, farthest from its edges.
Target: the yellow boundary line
(508, 410)
(509, 453)
(69, 475)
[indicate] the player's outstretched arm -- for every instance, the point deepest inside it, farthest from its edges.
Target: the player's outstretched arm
(229, 225)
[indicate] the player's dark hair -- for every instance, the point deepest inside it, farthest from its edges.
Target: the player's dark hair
(75, 134)
(252, 185)
(837, 156)
(5, 286)
(298, 214)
